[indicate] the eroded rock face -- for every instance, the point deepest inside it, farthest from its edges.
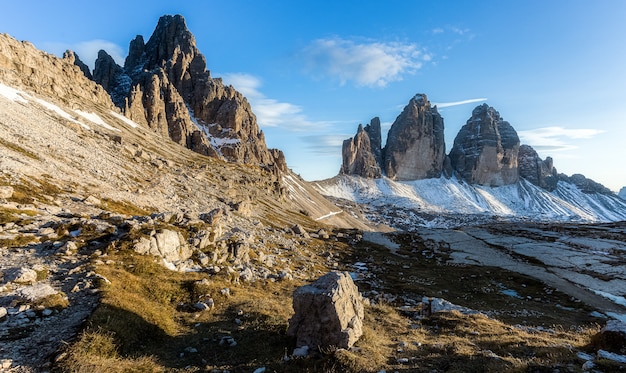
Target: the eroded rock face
(415, 146)
(358, 157)
(532, 168)
(165, 85)
(73, 58)
(486, 149)
(584, 184)
(23, 66)
(328, 312)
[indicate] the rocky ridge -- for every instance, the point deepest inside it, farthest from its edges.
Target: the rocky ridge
(165, 85)
(486, 151)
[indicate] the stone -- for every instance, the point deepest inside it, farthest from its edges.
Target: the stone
(486, 149)
(535, 170)
(300, 351)
(21, 275)
(415, 147)
(612, 336)
(91, 200)
(201, 306)
(227, 341)
(359, 157)
(3, 313)
(36, 292)
(167, 244)
(6, 192)
(328, 312)
(299, 230)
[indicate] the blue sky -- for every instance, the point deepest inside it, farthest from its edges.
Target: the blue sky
(556, 70)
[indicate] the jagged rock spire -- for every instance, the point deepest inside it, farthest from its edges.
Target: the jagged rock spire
(165, 85)
(415, 146)
(486, 148)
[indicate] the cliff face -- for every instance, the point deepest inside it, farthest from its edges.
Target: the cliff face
(486, 149)
(24, 66)
(415, 146)
(165, 85)
(539, 172)
(359, 156)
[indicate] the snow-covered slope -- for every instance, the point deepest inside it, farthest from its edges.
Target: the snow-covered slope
(522, 200)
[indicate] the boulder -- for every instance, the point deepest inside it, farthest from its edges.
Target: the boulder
(167, 244)
(486, 149)
(21, 275)
(612, 337)
(328, 312)
(415, 146)
(6, 192)
(36, 292)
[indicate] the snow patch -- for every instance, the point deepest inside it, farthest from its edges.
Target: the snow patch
(13, 94)
(60, 112)
(94, 118)
(124, 119)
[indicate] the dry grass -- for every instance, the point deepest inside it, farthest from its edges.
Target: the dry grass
(147, 322)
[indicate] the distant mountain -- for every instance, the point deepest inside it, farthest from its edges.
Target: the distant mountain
(446, 202)
(487, 171)
(622, 193)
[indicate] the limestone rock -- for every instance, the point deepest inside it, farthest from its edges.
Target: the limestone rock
(112, 78)
(167, 244)
(166, 85)
(415, 146)
(36, 292)
(375, 133)
(358, 157)
(6, 192)
(532, 168)
(21, 275)
(486, 149)
(22, 66)
(72, 57)
(328, 312)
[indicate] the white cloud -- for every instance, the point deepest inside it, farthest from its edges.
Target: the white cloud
(88, 50)
(270, 112)
(373, 64)
(442, 105)
(556, 138)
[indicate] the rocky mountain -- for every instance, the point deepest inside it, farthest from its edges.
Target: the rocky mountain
(535, 170)
(165, 85)
(486, 148)
(124, 251)
(622, 193)
(359, 157)
(415, 147)
(486, 153)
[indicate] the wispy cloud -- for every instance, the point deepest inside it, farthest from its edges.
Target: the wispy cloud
(556, 139)
(370, 63)
(328, 144)
(270, 112)
(442, 105)
(88, 50)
